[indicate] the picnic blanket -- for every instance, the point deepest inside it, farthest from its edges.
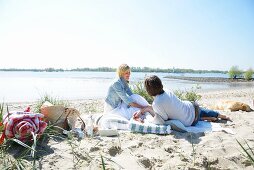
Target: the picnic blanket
(112, 121)
(20, 125)
(117, 122)
(204, 126)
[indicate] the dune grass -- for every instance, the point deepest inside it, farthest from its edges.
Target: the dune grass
(193, 151)
(190, 95)
(103, 163)
(139, 89)
(248, 152)
(50, 99)
(8, 161)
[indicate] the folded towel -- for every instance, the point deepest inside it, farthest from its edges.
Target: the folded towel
(201, 126)
(20, 125)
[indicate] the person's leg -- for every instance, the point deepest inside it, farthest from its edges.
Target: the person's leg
(139, 100)
(207, 114)
(209, 119)
(211, 115)
(107, 108)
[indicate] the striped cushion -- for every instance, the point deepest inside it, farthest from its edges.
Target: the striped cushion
(136, 126)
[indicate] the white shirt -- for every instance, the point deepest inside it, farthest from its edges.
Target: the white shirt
(168, 107)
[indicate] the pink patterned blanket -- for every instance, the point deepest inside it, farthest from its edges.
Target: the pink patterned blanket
(20, 125)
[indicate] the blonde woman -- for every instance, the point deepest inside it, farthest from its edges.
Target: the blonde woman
(120, 100)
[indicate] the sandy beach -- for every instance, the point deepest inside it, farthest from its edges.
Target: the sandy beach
(212, 150)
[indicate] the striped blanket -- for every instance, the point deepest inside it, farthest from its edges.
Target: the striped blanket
(20, 125)
(113, 121)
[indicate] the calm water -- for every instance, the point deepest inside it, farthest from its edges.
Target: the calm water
(30, 86)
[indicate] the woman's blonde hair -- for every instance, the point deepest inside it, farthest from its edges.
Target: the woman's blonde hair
(122, 69)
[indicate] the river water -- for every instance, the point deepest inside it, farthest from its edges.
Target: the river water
(30, 86)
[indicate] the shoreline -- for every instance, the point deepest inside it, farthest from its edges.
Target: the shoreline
(211, 79)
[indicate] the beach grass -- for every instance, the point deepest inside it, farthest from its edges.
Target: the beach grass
(139, 89)
(190, 95)
(249, 153)
(103, 163)
(193, 150)
(50, 99)
(8, 161)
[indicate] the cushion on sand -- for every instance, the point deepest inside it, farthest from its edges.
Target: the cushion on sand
(147, 127)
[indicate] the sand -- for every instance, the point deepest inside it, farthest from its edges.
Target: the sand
(213, 150)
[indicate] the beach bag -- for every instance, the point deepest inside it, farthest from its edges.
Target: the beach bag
(61, 116)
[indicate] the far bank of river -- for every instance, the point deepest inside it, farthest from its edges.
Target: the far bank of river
(209, 79)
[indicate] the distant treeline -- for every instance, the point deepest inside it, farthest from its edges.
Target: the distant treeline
(109, 69)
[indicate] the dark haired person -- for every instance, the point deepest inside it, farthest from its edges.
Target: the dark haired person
(167, 106)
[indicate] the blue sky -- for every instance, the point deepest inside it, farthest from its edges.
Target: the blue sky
(202, 34)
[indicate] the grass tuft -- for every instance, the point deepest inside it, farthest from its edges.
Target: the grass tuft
(249, 154)
(190, 95)
(103, 163)
(50, 99)
(139, 89)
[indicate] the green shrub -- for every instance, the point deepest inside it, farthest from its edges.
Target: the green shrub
(190, 95)
(248, 74)
(234, 72)
(139, 88)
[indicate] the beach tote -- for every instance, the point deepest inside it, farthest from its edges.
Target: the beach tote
(60, 116)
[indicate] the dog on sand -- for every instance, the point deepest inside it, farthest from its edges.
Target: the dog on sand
(233, 106)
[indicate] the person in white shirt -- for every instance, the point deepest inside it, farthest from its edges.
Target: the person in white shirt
(167, 106)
